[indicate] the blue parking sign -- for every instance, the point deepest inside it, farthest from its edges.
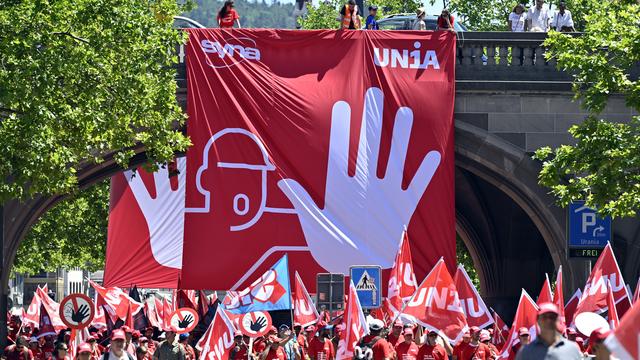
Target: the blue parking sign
(368, 282)
(586, 229)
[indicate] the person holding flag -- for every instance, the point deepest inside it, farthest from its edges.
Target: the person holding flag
(320, 348)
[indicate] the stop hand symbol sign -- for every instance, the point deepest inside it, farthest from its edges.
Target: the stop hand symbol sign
(77, 311)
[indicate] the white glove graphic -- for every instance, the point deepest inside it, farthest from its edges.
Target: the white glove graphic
(363, 216)
(164, 213)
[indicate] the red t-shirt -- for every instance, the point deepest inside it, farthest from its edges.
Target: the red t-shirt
(277, 354)
(442, 24)
(394, 341)
(476, 352)
(37, 354)
(436, 352)
(381, 349)
(457, 350)
(320, 350)
(406, 351)
(229, 19)
(11, 353)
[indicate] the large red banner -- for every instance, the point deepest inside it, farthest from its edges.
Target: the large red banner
(320, 144)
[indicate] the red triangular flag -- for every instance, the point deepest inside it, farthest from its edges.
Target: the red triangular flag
(473, 306)
(545, 293)
(218, 339)
(571, 306)
(526, 316)
(558, 297)
(129, 319)
(612, 316)
(500, 331)
(305, 312)
(355, 326)
(436, 304)
(402, 279)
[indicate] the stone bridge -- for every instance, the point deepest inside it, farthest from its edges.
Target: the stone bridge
(508, 103)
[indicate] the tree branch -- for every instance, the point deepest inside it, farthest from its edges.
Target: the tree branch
(77, 38)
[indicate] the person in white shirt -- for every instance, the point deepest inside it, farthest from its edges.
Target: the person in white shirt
(538, 17)
(563, 21)
(518, 19)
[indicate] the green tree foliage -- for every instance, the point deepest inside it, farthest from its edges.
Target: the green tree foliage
(72, 234)
(80, 79)
(483, 15)
(253, 14)
(464, 258)
(603, 167)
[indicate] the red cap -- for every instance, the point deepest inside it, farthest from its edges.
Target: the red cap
(548, 308)
(274, 339)
(310, 329)
(466, 335)
(118, 334)
(398, 323)
(143, 339)
(523, 331)
(135, 334)
(126, 329)
(237, 333)
(408, 331)
(273, 329)
(474, 329)
(83, 348)
(599, 334)
(296, 324)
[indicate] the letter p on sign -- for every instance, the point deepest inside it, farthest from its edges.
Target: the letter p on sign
(588, 219)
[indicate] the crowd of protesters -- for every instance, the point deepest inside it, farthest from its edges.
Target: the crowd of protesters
(400, 341)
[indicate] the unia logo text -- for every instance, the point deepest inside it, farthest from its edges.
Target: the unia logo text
(406, 59)
(230, 52)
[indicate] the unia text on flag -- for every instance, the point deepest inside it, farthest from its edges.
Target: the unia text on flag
(526, 316)
(545, 295)
(355, 326)
(217, 341)
(32, 316)
(436, 305)
(594, 295)
(473, 306)
(558, 297)
(271, 291)
(304, 310)
(402, 279)
(612, 312)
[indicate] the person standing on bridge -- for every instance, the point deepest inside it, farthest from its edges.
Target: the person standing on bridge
(349, 16)
(518, 19)
(562, 20)
(538, 17)
(227, 15)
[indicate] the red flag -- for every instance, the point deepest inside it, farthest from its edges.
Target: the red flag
(218, 339)
(571, 306)
(500, 331)
(355, 326)
(436, 304)
(294, 191)
(402, 279)
(33, 311)
(203, 303)
(473, 306)
(116, 300)
(305, 311)
(636, 295)
(52, 310)
(526, 316)
(545, 293)
(128, 321)
(167, 310)
(186, 298)
(159, 309)
(99, 320)
(594, 296)
(624, 342)
(380, 313)
(77, 337)
(558, 297)
(612, 315)
(213, 298)
(152, 315)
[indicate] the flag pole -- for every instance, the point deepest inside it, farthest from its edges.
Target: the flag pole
(290, 294)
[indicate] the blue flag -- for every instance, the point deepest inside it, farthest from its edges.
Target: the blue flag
(271, 291)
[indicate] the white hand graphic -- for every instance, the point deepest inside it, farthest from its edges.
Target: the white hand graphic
(164, 213)
(364, 215)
